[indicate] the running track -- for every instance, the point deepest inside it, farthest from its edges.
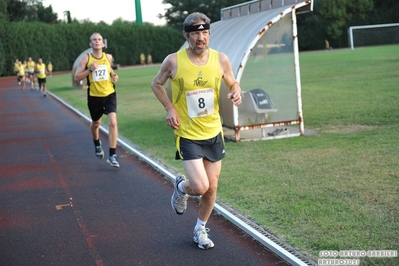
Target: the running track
(60, 205)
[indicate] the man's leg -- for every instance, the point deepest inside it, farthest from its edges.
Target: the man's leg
(209, 197)
(94, 128)
(203, 180)
(95, 132)
(44, 88)
(113, 130)
(112, 139)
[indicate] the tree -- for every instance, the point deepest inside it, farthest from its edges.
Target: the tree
(46, 14)
(338, 13)
(384, 12)
(67, 14)
(179, 10)
(16, 10)
(30, 10)
(3, 10)
(330, 20)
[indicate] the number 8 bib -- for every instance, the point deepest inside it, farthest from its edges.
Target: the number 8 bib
(200, 102)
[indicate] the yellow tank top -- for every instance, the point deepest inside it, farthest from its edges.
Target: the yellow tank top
(21, 70)
(50, 67)
(31, 66)
(99, 81)
(41, 70)
(195, 95)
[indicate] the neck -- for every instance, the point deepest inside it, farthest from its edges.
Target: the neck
(198, 58)
(97, 53)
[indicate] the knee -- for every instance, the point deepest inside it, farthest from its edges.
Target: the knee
(205, 188)
(212, 189)
(112, 123)
(210, 194)
(199, 188)
(96, 124)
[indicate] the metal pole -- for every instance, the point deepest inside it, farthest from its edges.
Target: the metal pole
(139, 18)
(297, 72)
(351, 37)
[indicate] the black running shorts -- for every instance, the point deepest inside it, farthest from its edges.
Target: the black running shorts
(210, 149)
(41, 81)
(101, 105)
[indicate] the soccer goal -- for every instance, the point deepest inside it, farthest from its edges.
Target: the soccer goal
(378, 34)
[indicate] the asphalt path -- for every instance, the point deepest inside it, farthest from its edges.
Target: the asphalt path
(60, 205)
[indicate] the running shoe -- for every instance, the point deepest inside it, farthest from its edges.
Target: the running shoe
(113, 161)
(99, 151)
(179, 199)
(201, 238)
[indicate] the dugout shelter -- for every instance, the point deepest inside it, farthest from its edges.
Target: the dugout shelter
(260, 38)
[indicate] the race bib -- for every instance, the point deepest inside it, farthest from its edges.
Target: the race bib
(200, 102)
(100, 74)
(41, 71)
(31, 69)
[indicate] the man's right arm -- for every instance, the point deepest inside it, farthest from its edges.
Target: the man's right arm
(157, 85)
(82, 72)
(168, 70)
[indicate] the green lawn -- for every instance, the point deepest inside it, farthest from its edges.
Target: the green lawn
(337, 190)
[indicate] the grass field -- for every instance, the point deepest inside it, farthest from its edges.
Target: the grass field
(337, 190)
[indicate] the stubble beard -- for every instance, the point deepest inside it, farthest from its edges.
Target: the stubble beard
(197, 50)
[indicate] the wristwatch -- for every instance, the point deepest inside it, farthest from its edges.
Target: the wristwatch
(90, 69)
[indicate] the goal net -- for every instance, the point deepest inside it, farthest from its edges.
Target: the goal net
(368, 35)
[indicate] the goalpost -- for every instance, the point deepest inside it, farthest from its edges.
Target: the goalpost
(379, 34)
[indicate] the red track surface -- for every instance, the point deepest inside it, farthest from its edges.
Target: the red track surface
(60, 205)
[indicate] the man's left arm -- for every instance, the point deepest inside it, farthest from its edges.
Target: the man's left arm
(114, 76)
(230, 80)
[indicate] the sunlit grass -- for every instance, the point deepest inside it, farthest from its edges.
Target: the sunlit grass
(338, 190)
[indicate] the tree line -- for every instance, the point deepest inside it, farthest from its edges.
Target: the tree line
(62, 40)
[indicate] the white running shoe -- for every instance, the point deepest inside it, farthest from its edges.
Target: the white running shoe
(179, 200)
(201, 238)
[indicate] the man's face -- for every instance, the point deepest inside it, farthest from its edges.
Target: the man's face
(198, 40)
(96, 41)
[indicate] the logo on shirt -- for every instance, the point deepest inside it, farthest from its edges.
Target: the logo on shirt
(199, 82)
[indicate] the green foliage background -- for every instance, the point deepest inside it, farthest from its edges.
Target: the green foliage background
(29, 29)
(63, 43)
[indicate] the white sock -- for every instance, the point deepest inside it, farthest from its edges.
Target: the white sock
(181, 188)
(199, 224)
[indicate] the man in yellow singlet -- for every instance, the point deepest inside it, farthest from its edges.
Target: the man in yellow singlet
(101, 94)
(31, 65)
(16, 70)
(41, 71)
(21, 74)
(193, 113)
(50, 68)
